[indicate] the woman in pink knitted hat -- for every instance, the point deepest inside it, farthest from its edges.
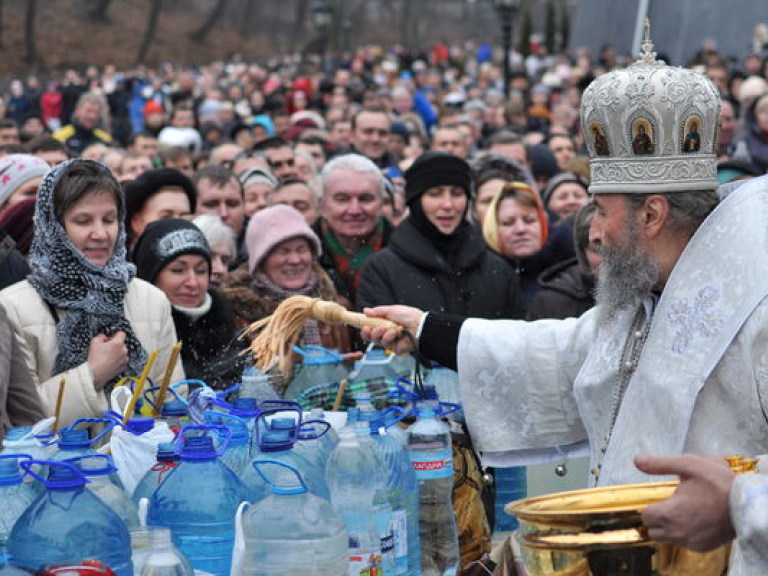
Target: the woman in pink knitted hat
(282, 262)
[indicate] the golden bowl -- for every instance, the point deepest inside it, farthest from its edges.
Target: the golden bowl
(599, 532)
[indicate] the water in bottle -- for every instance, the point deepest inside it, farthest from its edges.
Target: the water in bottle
(67, 524)
(429, 447)
(256, 383)
(318, 366)
(198, 501)
(98, 468)
(291, 531)
(167, 461)
(238, 452)
(328, 440)
(15, 497)
(309, 442)
(352, 494)
(155, 555)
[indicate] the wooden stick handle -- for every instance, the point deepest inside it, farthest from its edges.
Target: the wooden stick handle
(340, 395)
(59, 400)
(333, 313)
(139, 386)
(160, 398)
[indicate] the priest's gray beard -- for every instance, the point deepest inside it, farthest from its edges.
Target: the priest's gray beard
(626, 275)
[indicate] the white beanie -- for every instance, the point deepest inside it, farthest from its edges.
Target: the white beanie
(17, 169)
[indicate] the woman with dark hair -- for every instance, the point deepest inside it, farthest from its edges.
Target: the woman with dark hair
(83, 316)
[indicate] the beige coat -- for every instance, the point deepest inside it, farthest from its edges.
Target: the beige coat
(19, 402)
(146, 308)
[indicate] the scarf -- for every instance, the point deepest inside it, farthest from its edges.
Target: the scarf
(92, 296)
(350, 266)
(262, 284)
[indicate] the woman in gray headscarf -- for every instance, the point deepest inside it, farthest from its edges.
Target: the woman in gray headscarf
(83, 316)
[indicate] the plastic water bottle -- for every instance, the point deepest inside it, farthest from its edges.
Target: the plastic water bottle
(429, 447)
(375, 373)
(291, 531)
(74, 441)
(330, 439)
(167, 461)
(15, 497)
(382, 507)
(247, 409)
(258, 384)
(155, 555)
(198, 501)
(348, 474)
(238, 452)
(67, 523)
(403, 493)
(98, 469)
(308, 442)
(445, 382)
(176, 414)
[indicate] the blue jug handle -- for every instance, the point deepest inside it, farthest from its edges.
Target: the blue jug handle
(280, 405)
(295, 407)
(275, 488)
(109, 467)
(402, 393)
(323, 423)
(153, 391)
(227, 391)
(445, 408)
(27, 466)
(329, 353)
(393, 415)
(213, 418)
(188, 382)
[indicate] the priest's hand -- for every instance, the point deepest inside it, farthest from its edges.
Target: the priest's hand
(405, 316)
(696, 516)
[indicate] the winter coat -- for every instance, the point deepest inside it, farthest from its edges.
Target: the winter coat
(565, 292)
(20, 404)
(412, 271)
(249, 306)
(146, 308)
(211, 347)
(755, 141)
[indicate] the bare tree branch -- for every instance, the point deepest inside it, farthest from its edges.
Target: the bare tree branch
(149, 34)
(201, 33)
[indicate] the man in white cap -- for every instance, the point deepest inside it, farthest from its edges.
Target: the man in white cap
(673, 357)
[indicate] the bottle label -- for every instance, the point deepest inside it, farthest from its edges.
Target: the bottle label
(432, 464)
(364, 564)
(398, 523)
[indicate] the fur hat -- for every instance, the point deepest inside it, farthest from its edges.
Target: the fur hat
(165, 240)
(16, 169)
(272, 226)
(436, 168)
(138, 191)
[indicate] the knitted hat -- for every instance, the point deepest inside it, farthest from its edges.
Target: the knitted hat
(138, 191)
(272, 226)
(152, 107)
(436, 168)
(165, 240)
(16, 169)
(543, 161)
(562, 178)
(16, 220)
(258, 176)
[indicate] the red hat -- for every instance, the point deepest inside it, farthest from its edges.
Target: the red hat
(152, 107)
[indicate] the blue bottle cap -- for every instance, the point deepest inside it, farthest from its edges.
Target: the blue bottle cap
(239, 435)
(74, 439)
(275, 441)
(139, 426)
(63, 476)
(166, 452)
(245, 407)
(174, 408)
(9, 472)
(198, 448)
(288, 424)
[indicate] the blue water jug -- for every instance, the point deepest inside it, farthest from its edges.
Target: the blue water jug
(291, 531)
(198, 501)
(167, 460)
(15, 497)
(309, 442)
(67, 524)
(318, 366)
(98, 468)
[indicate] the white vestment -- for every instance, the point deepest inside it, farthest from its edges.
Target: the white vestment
(701, 382)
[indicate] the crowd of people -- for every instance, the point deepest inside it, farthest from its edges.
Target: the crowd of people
(142, 207)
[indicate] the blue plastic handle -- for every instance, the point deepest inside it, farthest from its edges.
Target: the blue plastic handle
(109, 467)
(275, 488)
(224, 436)
(323, 423)
(27, 466)
(107, 429)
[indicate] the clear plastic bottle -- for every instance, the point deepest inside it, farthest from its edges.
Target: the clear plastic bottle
(291, 531)
(238, 452)
(430, 451)
(155, 555)
(15, 497)
(97, 469)
(67, 523)
(258, 384)
(198, 502)
(352, 494)
(318, 366)
(167, 461)
(175, 413)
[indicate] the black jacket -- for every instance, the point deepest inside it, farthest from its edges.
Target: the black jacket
(566, 292)
(412, 271)
(210, 345)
